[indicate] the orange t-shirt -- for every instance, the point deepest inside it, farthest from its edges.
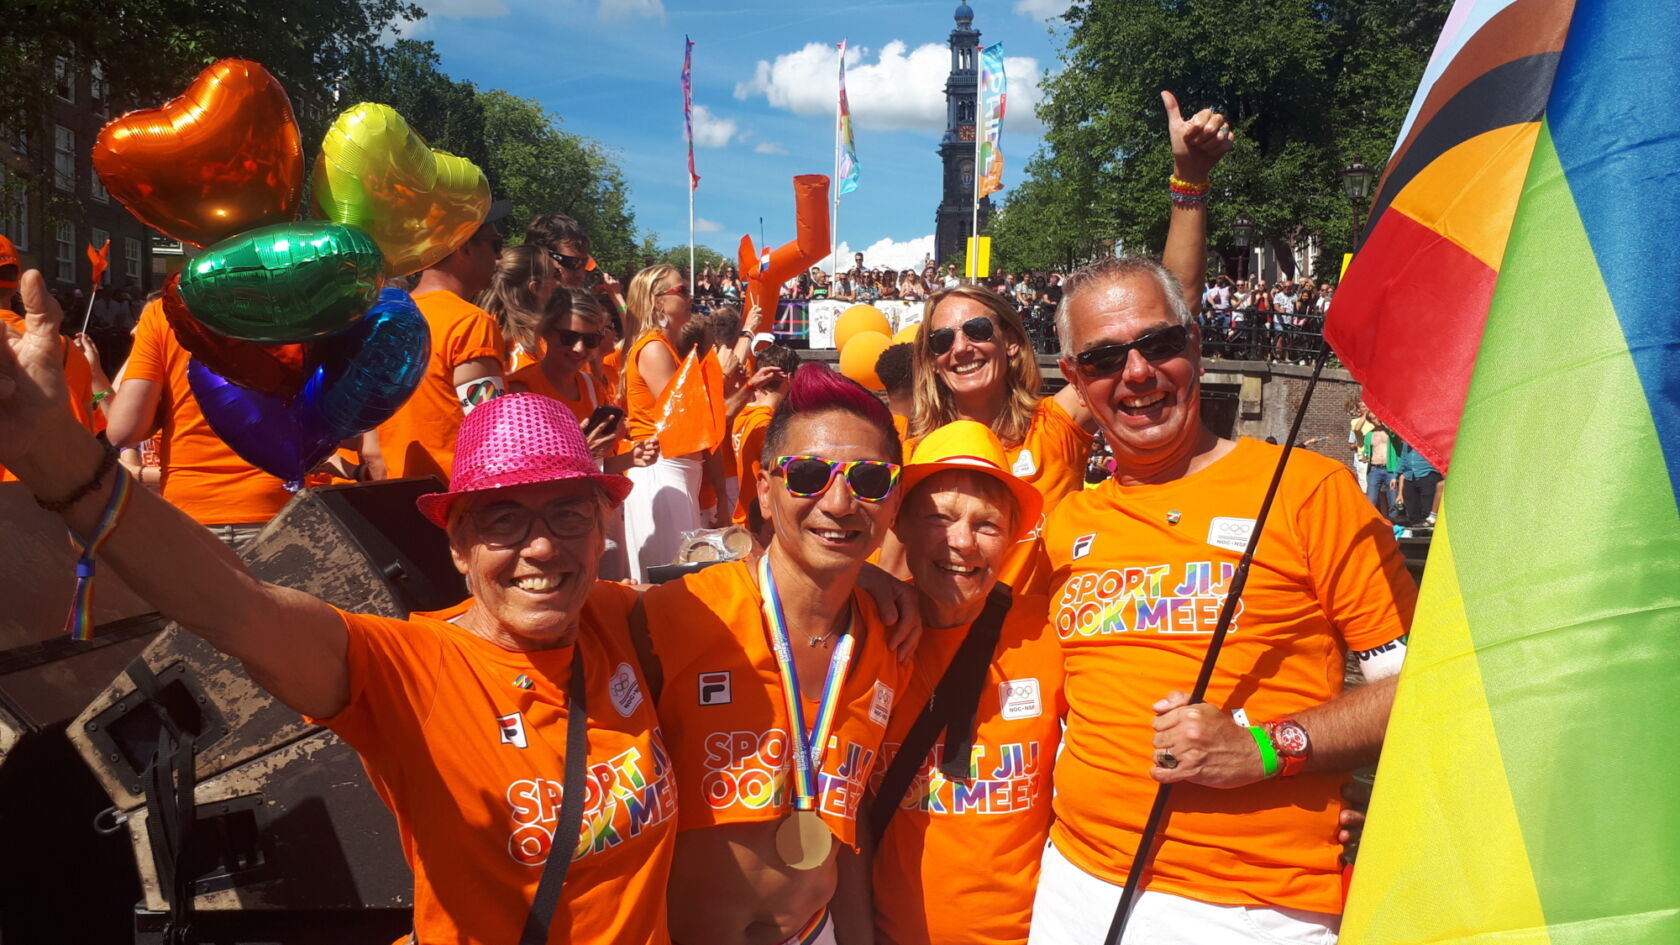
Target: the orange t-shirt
(585, 387)
(202, 476)
(472, 765)
(958, 864)
(419, 439)
(78, 382)
(610, 376)
(748, 440)
(1140, 577)
(641, 405)
(730, 745)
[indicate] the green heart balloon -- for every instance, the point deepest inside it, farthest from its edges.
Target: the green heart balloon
(284, 283)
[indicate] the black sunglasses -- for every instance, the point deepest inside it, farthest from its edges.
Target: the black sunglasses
(573, 263)
(978, 328)
(568, 337)
(1155, 346)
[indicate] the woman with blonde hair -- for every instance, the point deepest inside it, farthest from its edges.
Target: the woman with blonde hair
(665, 501)
(517, 298)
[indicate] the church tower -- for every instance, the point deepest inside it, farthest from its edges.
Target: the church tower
(954, 218)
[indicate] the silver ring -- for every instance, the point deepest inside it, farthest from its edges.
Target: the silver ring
(1166, 759)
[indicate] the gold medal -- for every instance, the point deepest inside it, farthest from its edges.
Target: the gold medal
(803, 841)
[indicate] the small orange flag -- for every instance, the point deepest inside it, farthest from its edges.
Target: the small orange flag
(101, 259)
(692, 412)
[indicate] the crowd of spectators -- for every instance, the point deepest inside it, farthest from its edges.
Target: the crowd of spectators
(1264, 321)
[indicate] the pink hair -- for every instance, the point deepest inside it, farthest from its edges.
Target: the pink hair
(815, 388)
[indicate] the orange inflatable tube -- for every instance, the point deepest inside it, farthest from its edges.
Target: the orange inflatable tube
(762, 286)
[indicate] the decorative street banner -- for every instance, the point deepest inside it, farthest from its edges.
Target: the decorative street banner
(688, 109)
(992, 96)
(822, 314)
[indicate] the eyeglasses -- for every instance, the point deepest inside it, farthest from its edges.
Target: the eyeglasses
(680, 289)
(978, 328)
(568, 338)
(494, 241)
(574, 263)
(506, 525)
(1155, 346)
(810, 476)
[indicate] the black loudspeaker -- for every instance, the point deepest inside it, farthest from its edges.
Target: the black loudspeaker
(287, 820)
(45, 677)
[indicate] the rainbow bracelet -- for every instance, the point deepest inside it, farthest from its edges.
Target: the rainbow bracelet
(1268, 752)
(80, 622)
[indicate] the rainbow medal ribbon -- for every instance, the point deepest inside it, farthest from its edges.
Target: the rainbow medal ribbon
(803, 840)
(80, 622)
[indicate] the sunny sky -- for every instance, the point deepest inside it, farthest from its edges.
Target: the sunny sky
(764, 89)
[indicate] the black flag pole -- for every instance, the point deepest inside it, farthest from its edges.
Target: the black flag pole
(1239, 578)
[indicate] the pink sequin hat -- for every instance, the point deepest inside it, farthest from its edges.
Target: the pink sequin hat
(516, 440)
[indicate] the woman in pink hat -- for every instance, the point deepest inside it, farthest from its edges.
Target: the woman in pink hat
(466, 719)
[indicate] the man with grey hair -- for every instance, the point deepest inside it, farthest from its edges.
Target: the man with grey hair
(1141, 565)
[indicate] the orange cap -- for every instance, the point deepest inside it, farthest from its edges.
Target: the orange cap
(965, 444)
(9, 257)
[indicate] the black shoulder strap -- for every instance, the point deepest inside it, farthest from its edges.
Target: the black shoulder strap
(547, 898)
(950, 708)
(653, 671)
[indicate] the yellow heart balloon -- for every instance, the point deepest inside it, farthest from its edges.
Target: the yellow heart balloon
(377, 174)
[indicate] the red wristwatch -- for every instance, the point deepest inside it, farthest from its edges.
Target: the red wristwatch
(1293, 746)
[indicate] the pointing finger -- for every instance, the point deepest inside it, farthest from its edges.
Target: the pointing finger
(1169, 101)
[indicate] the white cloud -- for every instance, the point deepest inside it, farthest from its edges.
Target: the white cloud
(900, 89)
(703, 225)
(769, 147)
(1042, 9)
(611, 10)
(909, 254)
(710, 131)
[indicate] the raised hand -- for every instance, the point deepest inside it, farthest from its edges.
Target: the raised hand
(34, 405)
(1197, 143)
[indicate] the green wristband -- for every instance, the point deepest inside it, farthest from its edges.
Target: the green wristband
(1268, 751)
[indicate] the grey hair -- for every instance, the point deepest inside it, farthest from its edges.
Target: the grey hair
(1104, 271)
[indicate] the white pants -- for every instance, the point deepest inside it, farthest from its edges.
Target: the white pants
(664, 504)
(1072, 907)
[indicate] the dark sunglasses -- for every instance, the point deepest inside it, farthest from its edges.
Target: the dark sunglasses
(506, 525)
(1111, 359)
(568, 338)
(978, 328)
(681, 289)
(574, 263)
(494, 241)
(810, 476)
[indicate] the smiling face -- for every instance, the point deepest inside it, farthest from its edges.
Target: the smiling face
(529, 594)
(973, 371)
(835, 531)
(570, 278)
(572, 357)
(671, 306)
(1150, 411)
(956, 528)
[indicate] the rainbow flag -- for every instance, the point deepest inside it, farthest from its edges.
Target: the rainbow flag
(1527, 792)
(848, 162)
(688, 109)
(993, 97)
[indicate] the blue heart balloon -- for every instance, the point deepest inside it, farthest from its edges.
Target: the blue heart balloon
(358, 379)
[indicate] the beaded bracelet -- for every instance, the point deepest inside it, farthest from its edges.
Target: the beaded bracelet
(106, 462)
(1179, 185)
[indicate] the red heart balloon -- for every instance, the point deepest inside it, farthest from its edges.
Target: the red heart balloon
(272, 369)
(224, 157)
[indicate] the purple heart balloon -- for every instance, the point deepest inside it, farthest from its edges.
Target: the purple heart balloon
(358, 379)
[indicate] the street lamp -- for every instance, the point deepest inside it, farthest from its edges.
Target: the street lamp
(1242, 231)
(1356, 183)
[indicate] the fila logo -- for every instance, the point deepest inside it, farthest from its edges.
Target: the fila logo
(1082, 545)
(714, 688)
(513, 729)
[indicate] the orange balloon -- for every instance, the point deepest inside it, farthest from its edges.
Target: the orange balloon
(223, 158)
(761, 285)
(858, 319)
(907, 334)
(858, 357)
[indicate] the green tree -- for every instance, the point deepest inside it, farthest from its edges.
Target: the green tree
(407, 76)
(1308, 85)
(677, 255)
(544, 169)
